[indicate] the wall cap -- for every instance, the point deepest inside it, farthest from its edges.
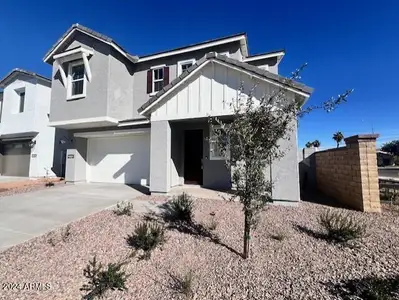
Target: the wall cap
(361, 137)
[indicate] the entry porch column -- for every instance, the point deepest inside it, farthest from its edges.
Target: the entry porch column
(160, 157)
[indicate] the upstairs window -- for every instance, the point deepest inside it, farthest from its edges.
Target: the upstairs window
(76, 80)
(184, 65)
(157, 78)
(21, 102)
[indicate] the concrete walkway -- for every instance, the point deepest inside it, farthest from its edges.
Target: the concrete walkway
(24, 216)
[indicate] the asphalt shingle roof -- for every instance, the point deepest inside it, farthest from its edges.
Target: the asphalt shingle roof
(242, 65)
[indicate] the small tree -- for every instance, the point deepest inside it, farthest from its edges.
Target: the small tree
(316, 143)
(338, 137)
(391, 147)
(309, 145)
(249, 142)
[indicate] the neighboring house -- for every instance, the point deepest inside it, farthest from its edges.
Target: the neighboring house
(144, 120)
(27, 143)
(384, 158)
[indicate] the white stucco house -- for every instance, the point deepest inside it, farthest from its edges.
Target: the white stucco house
(27, 143)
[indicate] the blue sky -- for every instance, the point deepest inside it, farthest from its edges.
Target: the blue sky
(347, 44)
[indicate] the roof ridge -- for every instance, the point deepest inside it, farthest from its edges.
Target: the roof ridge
(22, 71)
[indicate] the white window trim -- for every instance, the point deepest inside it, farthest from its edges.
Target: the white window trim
(211, 155)
(69, 85)
(183, 62)
(153, 77)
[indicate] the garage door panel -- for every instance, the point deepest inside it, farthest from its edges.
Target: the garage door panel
(119, 159)
(16, 159)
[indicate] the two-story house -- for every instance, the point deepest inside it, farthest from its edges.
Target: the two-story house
(27, 142)
(144, 119)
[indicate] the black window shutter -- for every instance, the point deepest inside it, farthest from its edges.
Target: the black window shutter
(165, 76)
(149, 81)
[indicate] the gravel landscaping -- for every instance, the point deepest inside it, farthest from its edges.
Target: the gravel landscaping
(25, 186)
(287, 260)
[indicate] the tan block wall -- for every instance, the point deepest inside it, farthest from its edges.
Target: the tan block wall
(350, 174)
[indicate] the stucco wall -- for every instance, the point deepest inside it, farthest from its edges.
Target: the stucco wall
(76, 170)
(120, 87)
(12, 120)
(95, 102)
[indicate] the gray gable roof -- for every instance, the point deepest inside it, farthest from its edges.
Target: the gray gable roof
(197, 44)
(98, 35)
(241, 65)
(16, 72)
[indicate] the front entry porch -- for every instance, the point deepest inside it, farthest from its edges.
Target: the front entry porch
(180, 155)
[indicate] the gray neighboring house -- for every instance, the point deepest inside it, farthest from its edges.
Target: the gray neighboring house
(143, 119)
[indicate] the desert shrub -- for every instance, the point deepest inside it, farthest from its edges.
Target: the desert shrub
(66, 233)
(146, 237)
(103, 279)
(49, 184)
(341, 227)
(184, 285)
(123, 208)
(279, 236)
(370, 288)
(180, 208)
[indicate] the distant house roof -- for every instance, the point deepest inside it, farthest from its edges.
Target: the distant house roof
(90, 32)
(15, 72)
(383, 152)
(232, 62)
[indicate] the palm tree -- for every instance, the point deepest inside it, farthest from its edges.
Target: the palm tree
(338, 137)
(309, 144)
(316, 143)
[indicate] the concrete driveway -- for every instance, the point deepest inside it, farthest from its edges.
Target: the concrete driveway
(24, 216)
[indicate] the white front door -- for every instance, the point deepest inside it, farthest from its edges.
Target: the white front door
(124, 159)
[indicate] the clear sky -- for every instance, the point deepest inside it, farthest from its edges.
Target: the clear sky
(347, 44)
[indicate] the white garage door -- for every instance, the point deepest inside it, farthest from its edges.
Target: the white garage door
(123, 159)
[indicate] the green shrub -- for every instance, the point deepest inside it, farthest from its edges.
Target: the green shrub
(101, 280)
(181, 208)
(146, 237)
(370, 288)
(123, 208)
(341, 227)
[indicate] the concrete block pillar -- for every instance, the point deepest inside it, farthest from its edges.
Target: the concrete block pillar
(160, 157)
(362, 154)
(76, 162)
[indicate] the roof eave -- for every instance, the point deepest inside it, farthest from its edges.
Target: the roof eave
(48, 58)
(15, 72)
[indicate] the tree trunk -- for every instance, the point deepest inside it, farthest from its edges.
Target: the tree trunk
(247, 232)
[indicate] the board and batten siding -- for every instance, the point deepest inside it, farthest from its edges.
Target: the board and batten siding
(209, 92)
